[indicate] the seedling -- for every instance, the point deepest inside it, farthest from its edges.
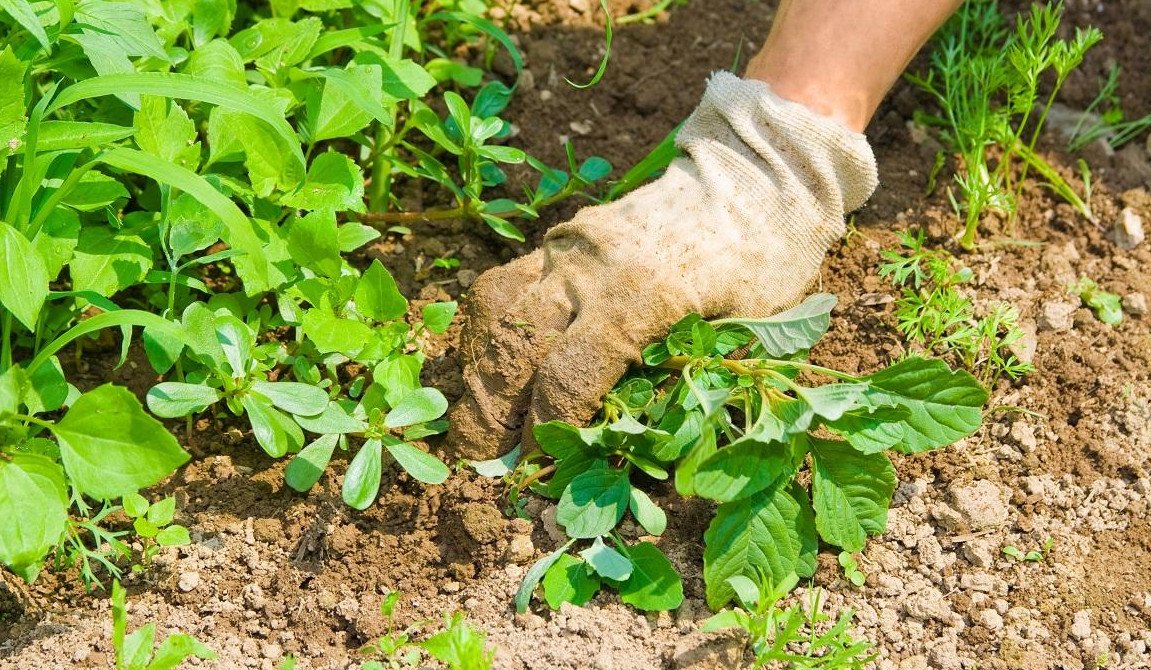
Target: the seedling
(739, 431)
(458, 645)
(1111, 124)
(1108, 307)
(985, 78)
(933, 313)
(1034, 556)
(797, 636)
(137, 651)
(851, 571)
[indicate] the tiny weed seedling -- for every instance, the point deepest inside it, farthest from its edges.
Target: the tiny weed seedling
(1110, 123)
(851, 571)
(1033, 556)
(458, 646)
(1108, 307)
(798, 636)
(748, 433)
(138, 650)
(933, 313)
(985, 79)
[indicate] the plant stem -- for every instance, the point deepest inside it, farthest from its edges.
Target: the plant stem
(767, 367)
(535, 477)
(413, 217)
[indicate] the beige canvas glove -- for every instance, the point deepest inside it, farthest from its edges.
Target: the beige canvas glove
(738, 227)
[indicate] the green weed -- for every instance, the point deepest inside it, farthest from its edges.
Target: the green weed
(933, 312)
(138, 650)
(985, 79)
(743, 432)
(1107, 306)
(457, 645)
(1111, 124)
(797, 636)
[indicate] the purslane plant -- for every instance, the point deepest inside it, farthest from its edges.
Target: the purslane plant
(729, 410)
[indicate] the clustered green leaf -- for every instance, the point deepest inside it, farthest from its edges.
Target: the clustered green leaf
(730, 410)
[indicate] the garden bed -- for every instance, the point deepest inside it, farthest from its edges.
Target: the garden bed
(1065, 455)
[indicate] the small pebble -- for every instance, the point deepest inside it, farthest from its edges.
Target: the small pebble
(189, 581)
(1081, 625)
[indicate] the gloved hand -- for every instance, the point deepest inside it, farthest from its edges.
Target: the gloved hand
(738, 227)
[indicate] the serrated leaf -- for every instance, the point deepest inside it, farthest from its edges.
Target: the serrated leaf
(23, 277)
(377, 296)
(945, 405)
(110, 446)
(791, 330)
(863, 430)
(607, 562)
(771, 535)
(851, 493)
(594, 502)
(741, 469)
(654, 584)
(419, 464)
(647, 513)
(832, 401)
(569, 580)
(362, 480)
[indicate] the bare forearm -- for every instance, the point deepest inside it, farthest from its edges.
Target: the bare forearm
(840, 57)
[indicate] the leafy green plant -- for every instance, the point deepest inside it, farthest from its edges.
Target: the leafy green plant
(1108, 307)
(851, 570)
(458, 645)
(201, 171)
(1110, 124)
(933, 312)
(985, 79)
(152, 523)
(746, 432)
(138, 651)
(797, 636)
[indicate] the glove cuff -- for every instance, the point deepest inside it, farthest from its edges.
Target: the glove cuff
(791, 142)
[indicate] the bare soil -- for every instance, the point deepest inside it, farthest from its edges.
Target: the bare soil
(1064, 455)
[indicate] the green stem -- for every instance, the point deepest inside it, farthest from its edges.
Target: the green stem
(6, 334)
(766, 367)
(33, 420)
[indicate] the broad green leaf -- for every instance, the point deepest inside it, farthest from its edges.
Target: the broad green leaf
(236, 340)
(182, 86)
(791, 330)
(332, 334)
(945, 405)
(217, 61)
(419, 464)
(175, 649)
(242, 234)
(23, 277)
(832, 401)
(607, 562)
(569, 580)
(377, 296)
(863, 429)
(124, 23)
(535, 574)
(594, 168)
(851, 493)
(173, 399)
(770, 535)
(137, 647)
(746, 591)
(438, 316)
(34, 503)
(12, 117)
(573, 449)
(492, 99)
(654, 584)
(742, 469)
(94, 192)
(362, 480)
(334, 183)
(424, 404)
(25, 15)
(699, 452)
(110, 446)
(191, 226)
(47, 388)
(343, 107)
(594, 502)
(163, 511)
(503, 227)
(306, 468)
(312, 243)
(354, 235)
(293, 397)
(276, 432)
(498, 467)
(108, 261)
(647, 513)
(270, 164)
(164, 130)
(398, 375)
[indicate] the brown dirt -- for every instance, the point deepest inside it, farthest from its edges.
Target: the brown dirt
(272, 572)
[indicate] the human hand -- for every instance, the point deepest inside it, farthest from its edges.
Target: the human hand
(738, 227)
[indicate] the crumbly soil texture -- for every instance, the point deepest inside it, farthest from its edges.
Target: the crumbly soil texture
(1064, 453)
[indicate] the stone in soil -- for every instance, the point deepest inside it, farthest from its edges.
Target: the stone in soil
(1128, 232)
(1057, 316)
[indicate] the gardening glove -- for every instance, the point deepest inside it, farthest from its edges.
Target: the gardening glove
(737, 227)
